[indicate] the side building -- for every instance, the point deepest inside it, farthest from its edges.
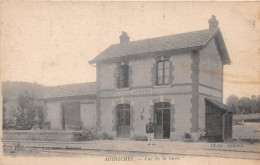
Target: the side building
(70, 107)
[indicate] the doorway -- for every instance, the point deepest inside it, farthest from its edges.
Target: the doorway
(71, 115)
(123, 121)
(162, 120)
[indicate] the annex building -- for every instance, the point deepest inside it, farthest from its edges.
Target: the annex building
(176, 80)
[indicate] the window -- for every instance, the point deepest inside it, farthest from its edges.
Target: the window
(123, 114)
(163, 70)
(122, 77)
(162, 105)
(158, 112)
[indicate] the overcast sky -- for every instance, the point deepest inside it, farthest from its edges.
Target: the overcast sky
(51, 43)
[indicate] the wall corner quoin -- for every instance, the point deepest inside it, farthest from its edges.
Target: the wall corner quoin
(195, 91)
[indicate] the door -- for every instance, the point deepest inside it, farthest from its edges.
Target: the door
(158, 124)
(166, 123)
(71, 115)
(225, 126)
(123, 121)
(162, 120)
(214, 123)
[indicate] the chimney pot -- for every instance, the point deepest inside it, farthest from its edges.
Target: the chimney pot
(213, 23)
(124, 38)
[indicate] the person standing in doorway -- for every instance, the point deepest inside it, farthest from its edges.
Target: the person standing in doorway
(150, 132)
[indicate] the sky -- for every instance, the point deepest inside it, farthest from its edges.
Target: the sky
(51, 42)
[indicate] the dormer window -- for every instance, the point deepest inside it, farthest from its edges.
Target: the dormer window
(163, 71)
(123, 76)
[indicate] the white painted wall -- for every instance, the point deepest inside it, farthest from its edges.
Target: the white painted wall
(54, 115)
(87, 110)
(88, 115)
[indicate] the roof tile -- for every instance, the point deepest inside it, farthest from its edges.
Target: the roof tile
(171, 42)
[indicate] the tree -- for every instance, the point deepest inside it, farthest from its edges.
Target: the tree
(232, 102)
(4, 115)
(8, 114)
(245, 105)
(258, 104)
(253, 104)
(27, 110)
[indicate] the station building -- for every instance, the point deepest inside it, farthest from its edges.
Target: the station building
(175, 80)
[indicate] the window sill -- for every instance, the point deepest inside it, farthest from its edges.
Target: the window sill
(162, 86)
(122, 89)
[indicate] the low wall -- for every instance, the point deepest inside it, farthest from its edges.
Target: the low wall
(41, 135)
(246, 116)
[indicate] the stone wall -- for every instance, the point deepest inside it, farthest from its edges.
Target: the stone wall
(181, 68)
(210, 80)
(211, 71)
(54, 115)
(192, 79)
(41, 135)
(180, 113)
(142, 94)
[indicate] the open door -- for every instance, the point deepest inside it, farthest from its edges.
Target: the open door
(162, 120)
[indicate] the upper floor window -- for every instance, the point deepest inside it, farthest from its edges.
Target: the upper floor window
(163, 71)
(122, 77)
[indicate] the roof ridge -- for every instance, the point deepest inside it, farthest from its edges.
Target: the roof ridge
(74, 84)
(217, 29)
(161, 37)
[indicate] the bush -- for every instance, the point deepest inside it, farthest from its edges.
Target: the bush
(140, 138)
(187, 137)
(202, 138)
(88, 135)
(251, 141)
(106, 136)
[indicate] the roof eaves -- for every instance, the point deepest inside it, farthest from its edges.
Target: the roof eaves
(156, 52)
(210, 38)
(55, 98)
(225, 109)
(223, 52)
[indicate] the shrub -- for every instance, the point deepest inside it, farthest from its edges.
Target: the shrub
(187, 137)
(88, 135)
(202, 138)
(251, 141)
(106, 136)
(17, 147)
(140, 138)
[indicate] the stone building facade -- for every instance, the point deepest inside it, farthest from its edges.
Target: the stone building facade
(167, 79)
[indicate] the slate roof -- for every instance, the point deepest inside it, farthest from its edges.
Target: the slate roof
(195, 39)
(70, 90)
(219, 104)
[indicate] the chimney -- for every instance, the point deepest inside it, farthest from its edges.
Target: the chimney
(213, 23)
(124, 38)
